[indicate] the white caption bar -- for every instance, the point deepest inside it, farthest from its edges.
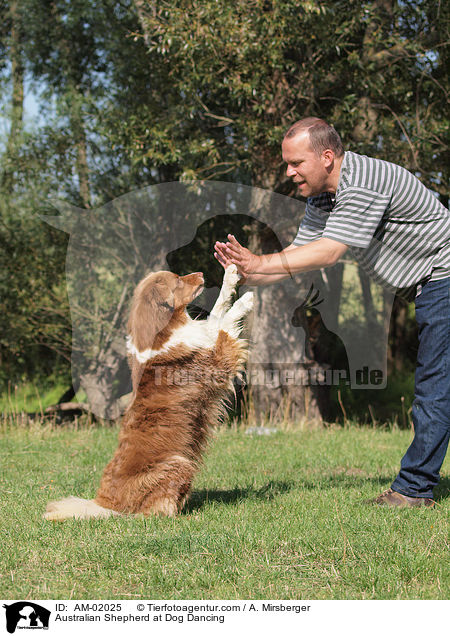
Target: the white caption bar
(351, 618)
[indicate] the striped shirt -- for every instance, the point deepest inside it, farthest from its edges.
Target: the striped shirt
(397, 229)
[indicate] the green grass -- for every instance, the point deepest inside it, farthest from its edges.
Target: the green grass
(28, 397)
(270, 517)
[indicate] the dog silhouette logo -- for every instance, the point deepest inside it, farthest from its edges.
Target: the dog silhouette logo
(26, 615)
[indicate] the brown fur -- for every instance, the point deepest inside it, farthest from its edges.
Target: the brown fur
(177, 397)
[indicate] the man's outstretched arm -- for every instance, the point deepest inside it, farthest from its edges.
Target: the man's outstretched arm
(293, 260)
(251, 279)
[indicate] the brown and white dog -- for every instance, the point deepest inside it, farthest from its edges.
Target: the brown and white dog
(182, 370)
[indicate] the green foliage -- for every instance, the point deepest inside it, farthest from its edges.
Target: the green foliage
(241, 72)
(62, 47)
(33, 302)
(33, 396)
(379, 407)
(136, 93)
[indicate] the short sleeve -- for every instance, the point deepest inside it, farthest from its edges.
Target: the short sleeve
(312, 225)
(356, 216)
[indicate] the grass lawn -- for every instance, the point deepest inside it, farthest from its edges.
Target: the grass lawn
(27, 397)
(271, 517)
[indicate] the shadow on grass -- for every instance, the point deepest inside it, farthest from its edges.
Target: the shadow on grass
(269, 491)
(272, 489)
(442, 490)
(200, 498)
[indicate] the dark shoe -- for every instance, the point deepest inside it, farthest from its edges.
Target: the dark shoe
(395, 499)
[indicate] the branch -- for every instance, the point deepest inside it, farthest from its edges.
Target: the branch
(68, 406)
(397, 119)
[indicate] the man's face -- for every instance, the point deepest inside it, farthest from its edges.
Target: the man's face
(306, 168)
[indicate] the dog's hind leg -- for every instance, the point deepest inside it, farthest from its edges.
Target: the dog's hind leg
(167, 485)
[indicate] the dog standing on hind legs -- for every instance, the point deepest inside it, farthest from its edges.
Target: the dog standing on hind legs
(182, 371)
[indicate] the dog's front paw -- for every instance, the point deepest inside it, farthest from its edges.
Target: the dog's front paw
(248, 300)
(231, 276)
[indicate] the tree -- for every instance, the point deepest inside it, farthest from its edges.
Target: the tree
(30, 255)
(240, 72)
(68, 52)
(15, 37)
(138, 92)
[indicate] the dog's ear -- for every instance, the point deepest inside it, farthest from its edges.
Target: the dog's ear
(151, 311)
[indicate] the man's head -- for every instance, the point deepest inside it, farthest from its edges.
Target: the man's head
(313, 151)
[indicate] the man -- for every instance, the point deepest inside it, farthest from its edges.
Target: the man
(400, 233)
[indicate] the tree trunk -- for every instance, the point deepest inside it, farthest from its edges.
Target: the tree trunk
(74, 102)
(98, 393)
(279, 369)
(374, 56)
(403, 339)
(370, 313)
(17, 75)
(79, 135)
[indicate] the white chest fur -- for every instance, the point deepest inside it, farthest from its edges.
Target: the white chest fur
(195, 334)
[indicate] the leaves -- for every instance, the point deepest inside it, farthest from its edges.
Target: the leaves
(134, 93)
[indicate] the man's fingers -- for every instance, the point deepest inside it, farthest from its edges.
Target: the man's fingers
(231, 252)
(233, 240)
(223, 259)
(220, 248)
(232, 249)
(220, 258)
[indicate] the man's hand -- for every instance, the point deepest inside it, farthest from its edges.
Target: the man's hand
(222, 256)
(247, 262)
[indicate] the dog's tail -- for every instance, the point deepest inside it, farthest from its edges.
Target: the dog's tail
(76, 508)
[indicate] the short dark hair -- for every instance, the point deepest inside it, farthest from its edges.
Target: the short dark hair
(321, 135)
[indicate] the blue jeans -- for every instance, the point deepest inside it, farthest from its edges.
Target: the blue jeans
(420, 466)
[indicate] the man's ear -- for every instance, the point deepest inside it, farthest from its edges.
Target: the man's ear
(328, 157)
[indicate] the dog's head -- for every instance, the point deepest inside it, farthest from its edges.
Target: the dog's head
(159, 299)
